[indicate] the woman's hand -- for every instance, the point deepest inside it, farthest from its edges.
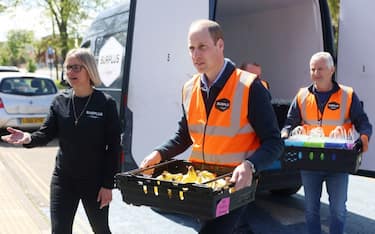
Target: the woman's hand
(17, 137)
(104, 197)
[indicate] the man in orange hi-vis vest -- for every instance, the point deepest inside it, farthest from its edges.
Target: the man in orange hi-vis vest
(227, 119)
(326, 104)
(255, 69)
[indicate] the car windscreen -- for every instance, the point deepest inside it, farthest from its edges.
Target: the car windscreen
(28, 86)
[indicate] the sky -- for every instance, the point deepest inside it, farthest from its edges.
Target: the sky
(22, 18)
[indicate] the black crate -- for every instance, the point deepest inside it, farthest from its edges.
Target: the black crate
(322, 159)
(191, 199)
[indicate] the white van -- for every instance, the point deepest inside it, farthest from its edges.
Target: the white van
(142, 53)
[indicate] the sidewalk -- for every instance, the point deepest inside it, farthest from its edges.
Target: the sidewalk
(17, 213)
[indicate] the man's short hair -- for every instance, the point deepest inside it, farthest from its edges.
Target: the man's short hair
(244, 65)
(327, 57)
(213, 28)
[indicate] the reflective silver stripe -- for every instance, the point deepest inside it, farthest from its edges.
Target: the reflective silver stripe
(222, 158)
(345, 97)
(220, 131)
(188, 90)
(303, 95)
(325, 122)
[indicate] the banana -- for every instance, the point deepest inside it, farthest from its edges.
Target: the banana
(206, 176)
(194, 176)
(169, 176)
(190, 176)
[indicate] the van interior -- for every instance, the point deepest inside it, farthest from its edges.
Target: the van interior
(279, 35)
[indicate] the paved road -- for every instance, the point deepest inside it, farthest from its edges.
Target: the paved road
(25, 176)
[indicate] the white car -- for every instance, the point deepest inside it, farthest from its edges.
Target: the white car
(25, 99)
(9, 69)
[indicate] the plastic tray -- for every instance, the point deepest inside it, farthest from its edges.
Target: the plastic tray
(322, 159)
(191, 199)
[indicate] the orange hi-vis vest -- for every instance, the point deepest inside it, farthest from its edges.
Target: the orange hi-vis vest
(336, 111)
(225, 137)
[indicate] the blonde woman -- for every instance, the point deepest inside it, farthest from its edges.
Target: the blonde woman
(86, 123)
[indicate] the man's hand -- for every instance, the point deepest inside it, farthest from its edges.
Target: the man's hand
(150, 160)
(104, 197)
(16, 137)
(284, 134)
(242, 176)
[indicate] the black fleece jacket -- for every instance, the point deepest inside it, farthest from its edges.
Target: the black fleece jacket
(89, 151)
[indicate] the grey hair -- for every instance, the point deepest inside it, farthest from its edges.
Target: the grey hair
(326, 56)
(88, 61)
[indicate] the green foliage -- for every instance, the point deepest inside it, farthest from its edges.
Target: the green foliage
(31, 65)
(66, 17)
(4, 55)
(334, 8)
(61, 85)
(2, 7)
(19, 46)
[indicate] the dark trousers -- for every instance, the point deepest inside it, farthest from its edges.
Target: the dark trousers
(236, 222)
(65, 196)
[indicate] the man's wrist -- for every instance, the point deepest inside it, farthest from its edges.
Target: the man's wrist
(252, 167)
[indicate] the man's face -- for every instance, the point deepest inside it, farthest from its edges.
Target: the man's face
(205, 54)
(320, 74)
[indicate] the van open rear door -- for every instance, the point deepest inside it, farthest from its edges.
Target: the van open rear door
(355, 61)
(159, 66)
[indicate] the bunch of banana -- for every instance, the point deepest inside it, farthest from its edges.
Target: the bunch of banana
(170, 177)
(191, 176)
(219, 184)
(194, 176)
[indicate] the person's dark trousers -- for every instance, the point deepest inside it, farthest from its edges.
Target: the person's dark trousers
(65, 195)
(236, 222)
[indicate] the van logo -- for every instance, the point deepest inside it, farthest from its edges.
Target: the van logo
(222, 104)
(333, 105)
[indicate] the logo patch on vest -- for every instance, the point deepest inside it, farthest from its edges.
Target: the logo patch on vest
(333, 105)
(222, 104)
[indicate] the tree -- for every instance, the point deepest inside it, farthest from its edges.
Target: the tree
(2, 7)
(67, 16)
(334, 8)
(18, 42)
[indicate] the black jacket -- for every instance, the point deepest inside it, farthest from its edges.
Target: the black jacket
(90, 150)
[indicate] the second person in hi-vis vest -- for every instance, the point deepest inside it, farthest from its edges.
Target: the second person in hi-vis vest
(326, 104)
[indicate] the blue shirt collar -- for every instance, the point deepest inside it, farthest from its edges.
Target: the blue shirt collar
(204, 78)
